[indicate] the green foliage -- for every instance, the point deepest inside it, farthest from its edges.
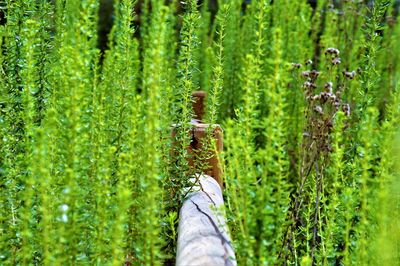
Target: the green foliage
(93, 144)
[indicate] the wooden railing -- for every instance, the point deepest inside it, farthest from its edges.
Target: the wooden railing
(203, 235)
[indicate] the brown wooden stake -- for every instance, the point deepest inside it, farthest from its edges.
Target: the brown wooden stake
(198, 136)
(199, 98)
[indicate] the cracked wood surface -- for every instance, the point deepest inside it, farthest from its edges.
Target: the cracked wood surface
(203, 236)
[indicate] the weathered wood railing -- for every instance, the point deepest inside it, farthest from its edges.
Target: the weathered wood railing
(203, 235)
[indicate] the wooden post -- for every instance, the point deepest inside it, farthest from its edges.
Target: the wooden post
(203, 237)
(198, 133)
(198, 104)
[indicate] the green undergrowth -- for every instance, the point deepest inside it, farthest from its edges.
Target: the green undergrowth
(93, 143)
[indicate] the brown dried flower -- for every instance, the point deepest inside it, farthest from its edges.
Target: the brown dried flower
(328, 87)
(346, 109)
(336, 104)
(296, 65)
(319, 109)
(332, 97)
(349, 75)
(316, 97)
(305, 74)
(332, 51)
(336, 61)
(309, 85)
(314, 74)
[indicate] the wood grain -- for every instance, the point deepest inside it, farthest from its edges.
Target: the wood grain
(203, 236)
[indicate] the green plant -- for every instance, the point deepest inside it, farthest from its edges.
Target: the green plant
(93, 143)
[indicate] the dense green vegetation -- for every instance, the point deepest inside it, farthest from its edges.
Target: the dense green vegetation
(308, 98)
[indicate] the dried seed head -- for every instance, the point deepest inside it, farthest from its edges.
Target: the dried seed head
(309, 85)
(316, 97)
(346, 109)
(324, 96)
(328, 87)
(296, 65)
(332, 51)
(349, 75)
(309, 62)
(319, 109)
(314, 74)
(305, 74)
(336, 61)
(332, 97)
(336, 104)
(306, 84)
